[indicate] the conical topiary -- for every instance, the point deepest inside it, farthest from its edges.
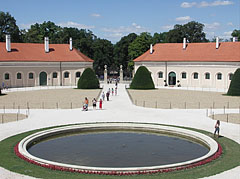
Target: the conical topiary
(234, 88)
(142, 79)
(88, 80)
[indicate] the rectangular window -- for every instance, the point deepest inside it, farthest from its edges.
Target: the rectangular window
(19, 76)
(195, 75)
(54, 75)
(184, 75)
(207, 76)
(30, 76)
(219, 76)
(6, 76)
(160, 75)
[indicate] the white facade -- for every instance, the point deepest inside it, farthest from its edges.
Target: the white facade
(22, 74)
(191, 74)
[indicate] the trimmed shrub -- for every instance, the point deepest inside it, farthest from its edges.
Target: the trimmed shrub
(142, 79)
(234, 88)
(88, 80)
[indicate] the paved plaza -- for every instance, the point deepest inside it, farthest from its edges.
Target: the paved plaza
(119, 109)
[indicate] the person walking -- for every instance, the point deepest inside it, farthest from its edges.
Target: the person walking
(107, 95)
(94, 101)
(112, 91)
(116, 91)
(103, 95)
(85, 105)
(217, 128)
(100, 104)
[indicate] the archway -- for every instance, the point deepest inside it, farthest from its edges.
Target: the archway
(172, 78)
(43, 79)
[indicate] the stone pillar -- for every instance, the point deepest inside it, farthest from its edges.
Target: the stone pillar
(133, 72)
(121, 74)
(105, 73)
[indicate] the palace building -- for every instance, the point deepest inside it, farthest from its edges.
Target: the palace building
(205, 65)
(31, 64)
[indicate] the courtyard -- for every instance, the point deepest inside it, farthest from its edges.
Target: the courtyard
(118, 109)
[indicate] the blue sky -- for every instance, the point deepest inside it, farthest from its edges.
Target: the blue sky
(113, 19)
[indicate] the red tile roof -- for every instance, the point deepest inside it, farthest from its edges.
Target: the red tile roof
(32, 52)
(204, 52)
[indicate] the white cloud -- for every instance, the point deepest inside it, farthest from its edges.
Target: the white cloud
(76, 25)
(212, 26)
(206, 4)
(167, 27)
(183, 19)
(230, 24)
(188, 4)
(95, 15)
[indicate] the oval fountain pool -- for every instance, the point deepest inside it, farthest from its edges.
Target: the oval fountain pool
(118, 147)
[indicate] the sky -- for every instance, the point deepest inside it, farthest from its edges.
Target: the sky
(113, 19)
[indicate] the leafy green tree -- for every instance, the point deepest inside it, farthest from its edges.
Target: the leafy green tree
(160, 38)
(120, 52)
(236, 33)
(37, 32)
(234, 88)
(142, 79)
(140, 45)
(193, 31)
(88, 80)
(8, 26)
(102, 55)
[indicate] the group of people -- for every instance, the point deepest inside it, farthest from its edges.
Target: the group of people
(94, 101)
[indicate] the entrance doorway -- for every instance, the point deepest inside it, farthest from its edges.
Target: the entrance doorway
(172, 78)
(43, 78)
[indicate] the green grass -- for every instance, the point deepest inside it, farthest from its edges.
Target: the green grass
(228, 160)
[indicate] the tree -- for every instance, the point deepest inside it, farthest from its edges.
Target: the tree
(140, 45)
(142, 79)
(37, 32)
(160, 38)
(192, 31)
(234, 88)
(8, 26)
(102, 55)
(236, 33)
(120, 51)
(88, 80)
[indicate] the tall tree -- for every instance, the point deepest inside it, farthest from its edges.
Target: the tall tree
(121, 51)
(160, 38)
(102, 55)
(140, 45)
(37, 32)
(193, 31)
(8, 26)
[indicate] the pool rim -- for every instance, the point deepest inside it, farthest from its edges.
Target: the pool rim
(21, 147)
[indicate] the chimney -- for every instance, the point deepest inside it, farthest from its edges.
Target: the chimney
(8, 43)
(184, 44)
(217, 43)
(70, 45)
(235, 39)
(46, 43)
(151, 49)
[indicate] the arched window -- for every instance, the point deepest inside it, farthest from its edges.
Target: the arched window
(19, 76)
(6, 76)
(160, 74)
(230, 76)
(66, 74)
(195, 75)
(54, 75)
(78, 74)
(219, 76)
(30, 76)
(184, 75)
(207, 76)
